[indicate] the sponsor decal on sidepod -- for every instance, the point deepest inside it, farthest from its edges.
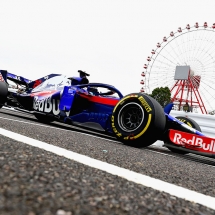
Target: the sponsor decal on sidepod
(47, 105)
(196, 142)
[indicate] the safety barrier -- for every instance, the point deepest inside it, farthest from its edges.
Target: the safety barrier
(206, 122)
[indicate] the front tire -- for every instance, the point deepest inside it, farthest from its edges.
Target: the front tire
(138, 120)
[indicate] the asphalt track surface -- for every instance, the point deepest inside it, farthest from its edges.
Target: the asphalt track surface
(34, 181)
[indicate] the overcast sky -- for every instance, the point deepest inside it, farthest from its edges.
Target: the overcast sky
(110, 39)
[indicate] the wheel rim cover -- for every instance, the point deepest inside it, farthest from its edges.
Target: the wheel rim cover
(130, 117)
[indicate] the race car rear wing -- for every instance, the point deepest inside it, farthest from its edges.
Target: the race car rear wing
(24, 81)
(16, 79)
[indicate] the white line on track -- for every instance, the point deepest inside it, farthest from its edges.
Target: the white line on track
(138, 178)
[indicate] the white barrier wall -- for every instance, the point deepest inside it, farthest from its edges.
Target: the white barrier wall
(206, 122)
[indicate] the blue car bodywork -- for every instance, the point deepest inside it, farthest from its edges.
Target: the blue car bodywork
(63, 98)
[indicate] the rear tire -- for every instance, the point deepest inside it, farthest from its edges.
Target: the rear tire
(192, 124)
(138, 120)
(3, 93)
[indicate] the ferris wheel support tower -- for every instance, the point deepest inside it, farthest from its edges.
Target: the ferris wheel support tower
(185, 89)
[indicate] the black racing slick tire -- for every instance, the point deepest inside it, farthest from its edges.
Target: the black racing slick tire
(43, 118)
(138, 120)
(3, 93)
(190, 122)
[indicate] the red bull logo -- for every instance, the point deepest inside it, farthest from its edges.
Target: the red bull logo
(47, 105)
(196, 142)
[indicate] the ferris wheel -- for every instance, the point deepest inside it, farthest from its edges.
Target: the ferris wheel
(185, 62)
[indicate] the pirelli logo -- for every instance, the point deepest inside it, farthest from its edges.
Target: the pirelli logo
(145, 104)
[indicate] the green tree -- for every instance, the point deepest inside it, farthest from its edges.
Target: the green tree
(162, 95)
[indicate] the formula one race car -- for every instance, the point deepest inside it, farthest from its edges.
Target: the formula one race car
(136, 119)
